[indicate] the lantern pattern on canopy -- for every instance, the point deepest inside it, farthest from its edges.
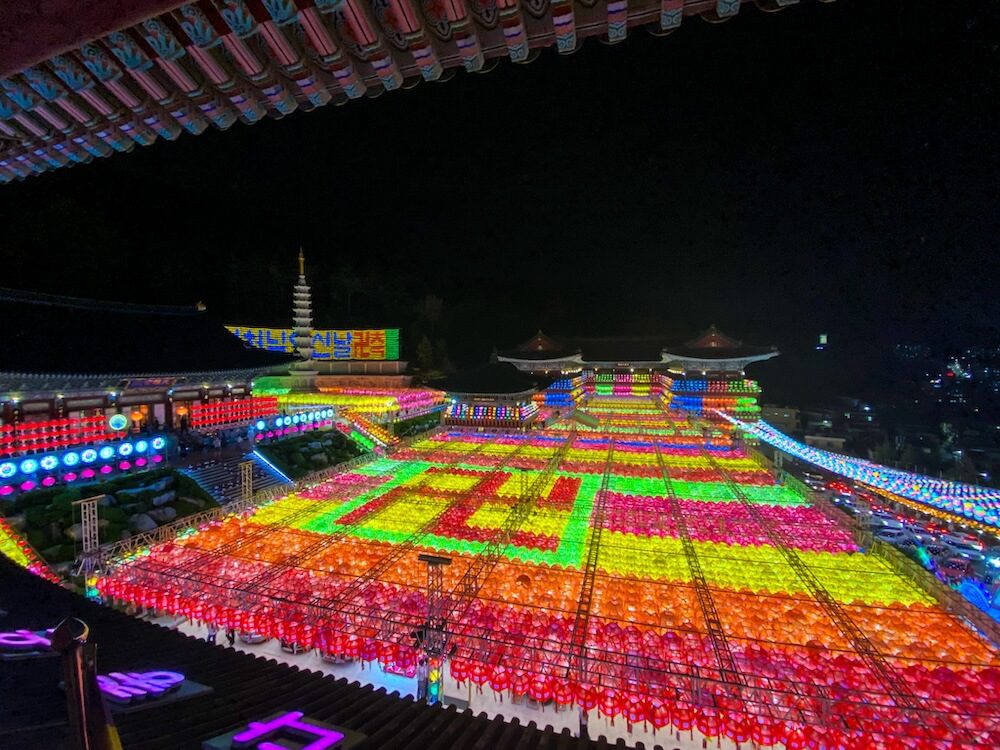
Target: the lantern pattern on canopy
(304, 566)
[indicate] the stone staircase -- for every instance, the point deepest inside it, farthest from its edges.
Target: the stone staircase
(221, 478)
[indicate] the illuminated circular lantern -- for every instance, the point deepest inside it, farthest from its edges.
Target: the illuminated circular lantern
(88, 456)
(609, 703)
(117, 422)
(158, 443)
(29, 466)
(636, 709)
(27, 485)
(140, 461)
(563, 692)
(261, 424)
(7, 470)
(141, 446)
(499, 680)
(125, 449)
(137, 416)
(157, 459)
(106, 469)
(295, 419)
(106, 452)
(124, 465)
(7, 489)
(87, 473)
(48, 481)
(539, 690)
(69, 476)
(682, 716)
(71, 459)
(49, 463)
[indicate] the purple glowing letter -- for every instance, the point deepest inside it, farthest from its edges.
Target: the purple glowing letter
(23, 640)
(291, 724)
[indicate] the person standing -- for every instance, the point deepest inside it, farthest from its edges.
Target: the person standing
(231, 635)
(213, 633)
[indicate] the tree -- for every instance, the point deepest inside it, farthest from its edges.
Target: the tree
(425, 354)
(431, 310)
(910, 457)
(441, 355)
(884, 453)
(347, 284)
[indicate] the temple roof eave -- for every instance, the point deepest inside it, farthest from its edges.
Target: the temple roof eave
(70, 378)
(495, 396)
(709, 362)
(575, 359)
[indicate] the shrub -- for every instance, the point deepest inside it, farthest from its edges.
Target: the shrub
(63, 502)
(112, 514)
(112, 532)
(35, 498)
(39, 538)
(35, 516)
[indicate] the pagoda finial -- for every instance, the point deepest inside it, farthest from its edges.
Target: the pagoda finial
(302, 262)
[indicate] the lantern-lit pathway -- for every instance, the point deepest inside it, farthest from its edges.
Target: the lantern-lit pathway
(631, 567)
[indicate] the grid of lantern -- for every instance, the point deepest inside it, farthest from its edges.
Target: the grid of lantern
(231, 412)
(52, 434)
(450, 493)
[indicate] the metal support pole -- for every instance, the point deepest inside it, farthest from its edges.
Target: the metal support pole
(431, 674)
(246, 481)
(89, 723)
(90, 531)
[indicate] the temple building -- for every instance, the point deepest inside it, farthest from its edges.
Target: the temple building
(710, 353)
(153, 364)
(496, 395)
(89, 388)
(704, 376)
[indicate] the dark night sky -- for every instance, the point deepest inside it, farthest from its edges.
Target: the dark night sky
(828, 168)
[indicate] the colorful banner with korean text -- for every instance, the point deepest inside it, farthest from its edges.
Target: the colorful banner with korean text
(350, 344)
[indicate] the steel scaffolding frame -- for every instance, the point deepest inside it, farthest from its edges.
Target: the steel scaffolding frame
(736, 682)
(581, 620)
(894, 686)
(728, 669)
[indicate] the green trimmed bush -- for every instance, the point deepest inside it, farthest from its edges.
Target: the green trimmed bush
(293, 455)
(112, 514)
(35, 516)
(39, 538)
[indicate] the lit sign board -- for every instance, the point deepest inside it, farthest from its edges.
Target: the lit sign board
(121, 688)
(25, 640)
(136, 686)
(342, 345)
